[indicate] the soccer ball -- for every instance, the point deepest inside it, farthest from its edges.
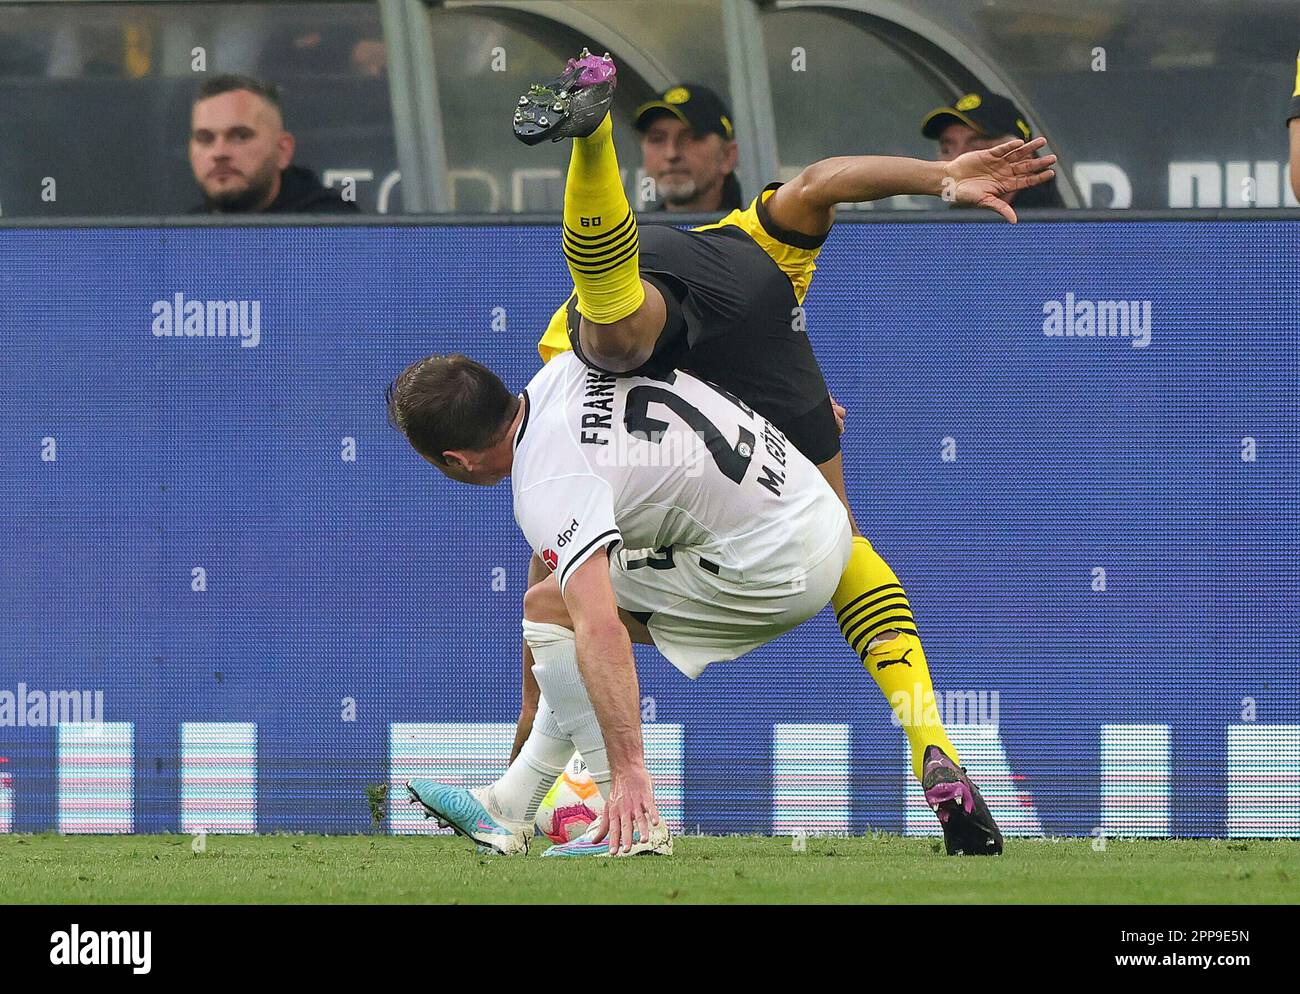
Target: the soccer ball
(571, 806)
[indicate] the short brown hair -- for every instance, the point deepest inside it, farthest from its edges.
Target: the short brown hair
(450, 403)
(231, 82)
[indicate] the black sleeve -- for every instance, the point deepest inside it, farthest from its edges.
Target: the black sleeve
(796, 239)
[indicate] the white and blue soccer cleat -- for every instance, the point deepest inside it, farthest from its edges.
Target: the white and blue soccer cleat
(466, 813)
(660, 843)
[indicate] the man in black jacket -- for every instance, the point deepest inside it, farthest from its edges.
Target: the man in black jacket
(242, 156)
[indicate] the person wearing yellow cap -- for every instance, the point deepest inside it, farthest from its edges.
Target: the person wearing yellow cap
(688, 148)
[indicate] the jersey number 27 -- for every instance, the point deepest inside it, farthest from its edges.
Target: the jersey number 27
(733, 461)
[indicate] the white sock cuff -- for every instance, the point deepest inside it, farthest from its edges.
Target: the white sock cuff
(538, 634)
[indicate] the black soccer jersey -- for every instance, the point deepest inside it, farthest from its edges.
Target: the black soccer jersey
(734, 291)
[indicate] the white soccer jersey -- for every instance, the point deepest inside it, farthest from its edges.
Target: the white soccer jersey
(602, 460)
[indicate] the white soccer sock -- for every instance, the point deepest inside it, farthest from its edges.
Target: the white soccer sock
(555, 667)
(519, 792)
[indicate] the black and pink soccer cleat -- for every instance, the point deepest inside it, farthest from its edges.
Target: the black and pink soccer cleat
(570, 106)
(968, 827)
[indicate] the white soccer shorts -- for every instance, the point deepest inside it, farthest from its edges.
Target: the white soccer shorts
(698, 615)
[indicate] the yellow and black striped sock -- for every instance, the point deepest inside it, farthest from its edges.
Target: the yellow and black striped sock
(600, 240)
(870, 602)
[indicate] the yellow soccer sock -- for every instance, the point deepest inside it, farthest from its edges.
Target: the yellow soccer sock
(600, 240)
(868, 602)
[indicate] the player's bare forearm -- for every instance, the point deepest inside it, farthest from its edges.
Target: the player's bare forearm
(807, 203)
(981, 178)
(606, 662)
(851, 179)
(530, 693)
(523, 729)
(609, 672)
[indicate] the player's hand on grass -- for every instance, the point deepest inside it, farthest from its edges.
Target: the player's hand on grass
(840, 414)
(983, 178)
(630, 808)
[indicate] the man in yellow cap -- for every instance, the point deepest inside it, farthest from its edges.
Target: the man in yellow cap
(688, 147)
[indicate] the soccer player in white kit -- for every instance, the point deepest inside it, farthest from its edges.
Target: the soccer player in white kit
(669, 512)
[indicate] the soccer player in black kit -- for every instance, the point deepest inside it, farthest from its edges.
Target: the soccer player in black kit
(724, 301)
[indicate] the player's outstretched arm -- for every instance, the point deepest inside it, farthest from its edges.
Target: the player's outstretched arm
(807, 203)
(609, 672)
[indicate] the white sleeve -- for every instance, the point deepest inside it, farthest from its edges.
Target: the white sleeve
(566, 519)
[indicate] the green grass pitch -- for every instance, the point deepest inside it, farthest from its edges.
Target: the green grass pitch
(876, 868)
